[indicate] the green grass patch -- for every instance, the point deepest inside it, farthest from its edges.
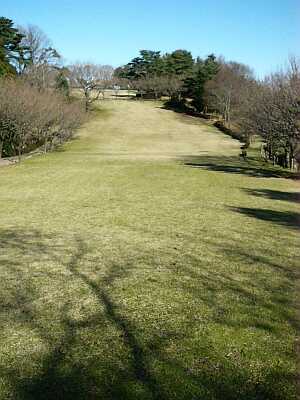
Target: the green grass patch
(147, 261)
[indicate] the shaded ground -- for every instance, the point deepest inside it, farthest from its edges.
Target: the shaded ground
(129, 273)
(234, 165)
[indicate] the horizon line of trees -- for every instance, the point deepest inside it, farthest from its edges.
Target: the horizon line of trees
(31, 68)
(228, 90)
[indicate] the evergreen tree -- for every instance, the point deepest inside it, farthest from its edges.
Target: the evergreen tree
(62, 84)
(11, 50)
(194, 85)
(180, 62)
(149, 63)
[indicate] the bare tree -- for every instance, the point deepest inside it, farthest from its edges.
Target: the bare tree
(30, 117)
(274, 113)
(225, 91)
(40, 59)
(39, 47)
(159, 85)
(92, 79)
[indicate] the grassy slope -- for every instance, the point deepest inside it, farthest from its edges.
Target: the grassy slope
(145, 261)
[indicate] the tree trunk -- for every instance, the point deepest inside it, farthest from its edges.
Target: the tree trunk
(86, 95)
(263, 152)
(285, 159)
(19, 152)
(291, 157)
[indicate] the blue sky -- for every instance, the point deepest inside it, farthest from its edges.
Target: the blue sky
(261, 33)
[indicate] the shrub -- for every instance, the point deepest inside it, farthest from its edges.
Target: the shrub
(31, 118)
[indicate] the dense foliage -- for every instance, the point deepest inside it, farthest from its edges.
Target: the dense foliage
(175, 75)
(11, 49)
(203, 71)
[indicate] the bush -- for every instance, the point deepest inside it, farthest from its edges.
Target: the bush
(234, 134)
(31, 118)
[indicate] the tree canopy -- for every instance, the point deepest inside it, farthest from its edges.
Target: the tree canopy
(11, 49)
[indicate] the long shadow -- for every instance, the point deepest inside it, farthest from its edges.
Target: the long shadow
(224, 381)
(233, 165)
(124, 96)
(214, 283)
(285, 218)
(139, 363)
(77, 382)
(49, 383)
(181, 108)
(209, 375)
(293, 197)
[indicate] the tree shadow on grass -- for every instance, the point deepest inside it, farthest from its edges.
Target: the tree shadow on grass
(54, 381)
(211, 375)
(227, 376)
(234, 165)
(292, 197)
(139, 364)
(286, 218)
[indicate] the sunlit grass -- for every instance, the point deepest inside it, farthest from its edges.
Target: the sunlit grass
(146, 261)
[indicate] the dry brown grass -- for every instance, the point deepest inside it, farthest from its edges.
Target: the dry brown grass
(144, 130)
(125, 274)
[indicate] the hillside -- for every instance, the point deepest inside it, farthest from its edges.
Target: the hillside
(145, 260)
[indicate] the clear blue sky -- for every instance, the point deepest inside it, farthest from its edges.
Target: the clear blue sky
(261, 33)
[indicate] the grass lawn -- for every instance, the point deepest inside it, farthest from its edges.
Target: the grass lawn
(144, 260)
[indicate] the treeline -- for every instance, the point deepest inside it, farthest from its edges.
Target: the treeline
(229, 92)
(176, 75)
(36, 109)
(31, 118)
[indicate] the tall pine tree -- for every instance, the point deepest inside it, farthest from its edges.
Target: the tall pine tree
(194, 85)
(11, 51)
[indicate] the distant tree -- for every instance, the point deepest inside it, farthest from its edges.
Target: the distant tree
(274, 113)
(62, 84)
(173, 86)
(11, 48)
(151, 62)
(180, 62)
(92, 79)
(123, 72)
(148, 63)
(41, 61)
(151, 73)
(225, 89)
(40, 50)
(204, 70)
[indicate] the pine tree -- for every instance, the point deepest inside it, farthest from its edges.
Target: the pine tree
(62, 84)
(11, 51)
(180, 62)
(194, 85)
